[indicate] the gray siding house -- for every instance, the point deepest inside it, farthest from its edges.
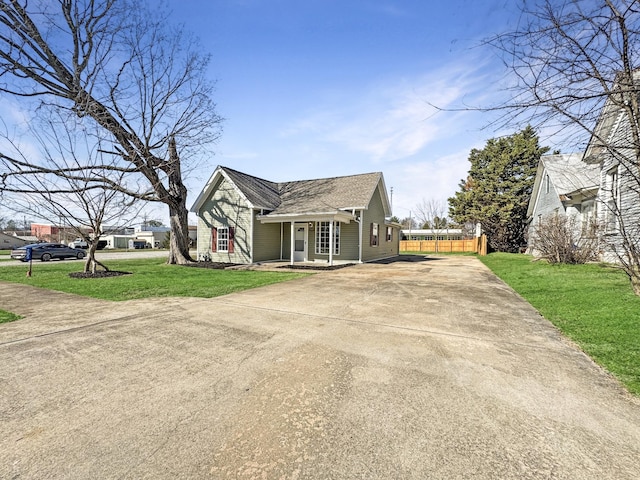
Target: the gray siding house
(564, 185)
(244, 219)
(612, 151)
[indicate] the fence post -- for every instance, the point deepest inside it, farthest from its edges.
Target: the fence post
(483, 245)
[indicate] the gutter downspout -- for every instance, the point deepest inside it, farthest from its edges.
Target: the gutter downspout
(332, 243)
(359, 222)
(197, 242)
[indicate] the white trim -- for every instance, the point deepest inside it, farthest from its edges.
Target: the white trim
(360, 237)
(218, 239)
(253, 212)
(293, 239)
(336, 216)
(331, 248)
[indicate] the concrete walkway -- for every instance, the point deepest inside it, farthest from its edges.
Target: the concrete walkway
(431, 369)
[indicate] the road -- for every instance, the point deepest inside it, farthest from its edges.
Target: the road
(5, 260)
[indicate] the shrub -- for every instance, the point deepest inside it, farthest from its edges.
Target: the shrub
(559, 239)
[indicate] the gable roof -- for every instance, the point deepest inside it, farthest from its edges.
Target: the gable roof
(323, 195)
(259, 192)
(568, 173)
(327, 194)
(611, 114)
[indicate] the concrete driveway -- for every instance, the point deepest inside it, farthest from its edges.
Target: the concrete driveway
(431, 369)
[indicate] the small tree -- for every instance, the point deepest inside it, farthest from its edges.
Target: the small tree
(432, 214)
(72, 181)
(561, 239)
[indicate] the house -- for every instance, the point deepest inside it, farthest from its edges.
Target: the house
(613, 152)
(8, 242)
(564, 185)
(244, 219)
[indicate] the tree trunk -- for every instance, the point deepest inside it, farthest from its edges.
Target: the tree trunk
(179, 238)
(178, 213)
(91, 263)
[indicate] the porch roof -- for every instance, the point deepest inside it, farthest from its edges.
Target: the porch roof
(330, 216)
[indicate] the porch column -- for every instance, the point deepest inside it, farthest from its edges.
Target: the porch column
(332, 242)
(293, 240)
(360, 223)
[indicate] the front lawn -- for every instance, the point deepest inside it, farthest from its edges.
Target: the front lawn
(591, 304)
(150, 277)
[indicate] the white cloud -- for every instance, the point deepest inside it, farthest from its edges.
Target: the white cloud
(396, 119)
(436, 178)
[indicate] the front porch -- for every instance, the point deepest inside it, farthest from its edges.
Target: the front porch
(317, 239)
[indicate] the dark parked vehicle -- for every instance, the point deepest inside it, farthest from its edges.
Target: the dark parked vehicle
(47, 251)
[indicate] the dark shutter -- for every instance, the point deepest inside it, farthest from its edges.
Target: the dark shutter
(231, 237)
(371, 234)
(214, 239)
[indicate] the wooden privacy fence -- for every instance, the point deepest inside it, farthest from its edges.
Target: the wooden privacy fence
(476, 245)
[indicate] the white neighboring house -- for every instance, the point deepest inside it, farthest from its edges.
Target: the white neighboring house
(564, 185)
(612, 151)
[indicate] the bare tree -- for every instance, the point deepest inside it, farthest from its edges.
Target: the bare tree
(73, 181)
(118, 65)
(575, 75)
(432, 214)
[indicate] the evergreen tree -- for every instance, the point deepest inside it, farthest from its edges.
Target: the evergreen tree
(498, 187)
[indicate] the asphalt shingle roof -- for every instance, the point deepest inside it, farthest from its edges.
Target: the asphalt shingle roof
(569, 173)
(307, 196)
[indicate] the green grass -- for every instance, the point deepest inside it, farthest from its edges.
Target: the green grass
(593, 305)
(151, 278)
(6, 317)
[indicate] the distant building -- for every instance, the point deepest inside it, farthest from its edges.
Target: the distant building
(11, 241)
(433, 234)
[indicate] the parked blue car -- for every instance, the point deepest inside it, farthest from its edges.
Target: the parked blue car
(46, 252)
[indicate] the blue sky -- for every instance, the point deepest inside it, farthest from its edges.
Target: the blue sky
(318, 88)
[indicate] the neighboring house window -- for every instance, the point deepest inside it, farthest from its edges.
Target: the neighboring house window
(389, 234)
(613, 200)
(373, 235)
(322, 238)
(547, 184)
(588, 216)
(222, 239)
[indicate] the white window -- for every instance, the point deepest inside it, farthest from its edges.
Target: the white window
(588, 218)
(374, 235)
(547, 184)
(223, 239)
(613, 200)
(389, 234)
(322, 238)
